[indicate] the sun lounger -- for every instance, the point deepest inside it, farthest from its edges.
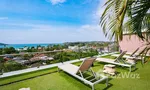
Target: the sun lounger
(126, 56)
(139, 56)
(85, 66)
(135, 54)
(118, 61)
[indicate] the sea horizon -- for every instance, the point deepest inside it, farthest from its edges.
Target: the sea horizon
(17, 46)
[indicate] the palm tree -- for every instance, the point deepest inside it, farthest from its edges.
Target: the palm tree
(126, 16)
(131, 16)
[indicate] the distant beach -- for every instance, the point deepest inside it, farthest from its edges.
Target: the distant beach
(16, 46)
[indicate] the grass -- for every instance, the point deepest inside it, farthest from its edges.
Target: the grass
(108, 56)
(26, 76)
(63, 81)
(29, 75)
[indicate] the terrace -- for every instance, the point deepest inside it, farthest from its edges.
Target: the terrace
(50, 79)
(35, 65)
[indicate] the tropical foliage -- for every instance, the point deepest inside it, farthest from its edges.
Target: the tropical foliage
(12, 66)
(9, 50)
(66, 56)
(131, 16)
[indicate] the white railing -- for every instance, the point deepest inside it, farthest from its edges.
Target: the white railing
(7, 74)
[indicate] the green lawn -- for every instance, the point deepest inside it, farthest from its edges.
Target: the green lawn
(63, 81)
(108, 56)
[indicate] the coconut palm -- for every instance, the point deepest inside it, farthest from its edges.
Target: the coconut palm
(130, 16)
(125, 16)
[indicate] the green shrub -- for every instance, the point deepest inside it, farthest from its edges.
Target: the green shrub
(9, 50)
(13, 66)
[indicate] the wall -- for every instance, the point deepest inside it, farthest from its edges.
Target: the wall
(131, 43)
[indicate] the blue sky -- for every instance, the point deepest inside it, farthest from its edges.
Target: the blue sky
(50, 21)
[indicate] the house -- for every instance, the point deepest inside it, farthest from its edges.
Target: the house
(20, 60)
(8, 57)
(25, 48)
(131, 42)
(20, 49)
(73, 48)
(38, 57)
(103, 50)
(84, 47)
(40, 48)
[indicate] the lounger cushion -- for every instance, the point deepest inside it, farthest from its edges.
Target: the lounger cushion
(105, 60)
(125, 56)
(112, 61)
(73, 69)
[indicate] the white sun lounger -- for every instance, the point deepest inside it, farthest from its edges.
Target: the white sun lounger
(117, 61)
(126, 56)
(111, 61)
(135, 55)
(85, 66)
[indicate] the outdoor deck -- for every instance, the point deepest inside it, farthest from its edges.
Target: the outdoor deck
(50, 79)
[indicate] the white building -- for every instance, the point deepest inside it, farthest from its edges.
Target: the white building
(25, 48)
(73, 48)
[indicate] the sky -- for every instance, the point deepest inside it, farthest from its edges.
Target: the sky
(50, 21)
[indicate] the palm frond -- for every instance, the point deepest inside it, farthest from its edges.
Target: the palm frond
(137, 11)
(140, 18)
(113, 17)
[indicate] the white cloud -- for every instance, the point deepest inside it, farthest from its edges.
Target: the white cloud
(100, 9)
(3, 18)
(52, 34)
(54, 2)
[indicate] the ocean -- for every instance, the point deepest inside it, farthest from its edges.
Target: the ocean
(17, 46)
